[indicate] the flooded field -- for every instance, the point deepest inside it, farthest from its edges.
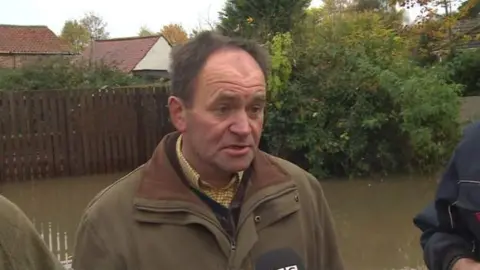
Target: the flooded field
(373, 218)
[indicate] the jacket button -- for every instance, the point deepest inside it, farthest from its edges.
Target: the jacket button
(257, 219)
(296, 198)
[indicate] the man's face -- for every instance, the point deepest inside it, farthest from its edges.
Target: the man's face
(224, 124)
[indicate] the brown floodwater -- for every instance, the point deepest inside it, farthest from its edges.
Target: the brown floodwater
(373, 217)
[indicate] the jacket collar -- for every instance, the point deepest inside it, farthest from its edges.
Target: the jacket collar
(162, 181)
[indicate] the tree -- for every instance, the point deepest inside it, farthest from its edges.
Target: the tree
(470, 8)
(174, 33)
(348, 99)
(441, 14)
(261, 19)
(144, 32)
(95, 25)
(380, 5)
(76, 35)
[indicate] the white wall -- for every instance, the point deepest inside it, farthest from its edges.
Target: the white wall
(158, 58)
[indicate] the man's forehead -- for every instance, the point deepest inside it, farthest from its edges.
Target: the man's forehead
(232, 59)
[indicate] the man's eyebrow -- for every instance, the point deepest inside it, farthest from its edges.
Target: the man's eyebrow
(231, 97)
(261, 97)
(225, 97)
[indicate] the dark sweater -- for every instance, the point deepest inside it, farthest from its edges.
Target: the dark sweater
(450, 225)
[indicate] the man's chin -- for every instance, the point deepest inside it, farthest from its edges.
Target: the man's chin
(234, 165)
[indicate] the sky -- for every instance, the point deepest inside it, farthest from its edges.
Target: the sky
(124, 18)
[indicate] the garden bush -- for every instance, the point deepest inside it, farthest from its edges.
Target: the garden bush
(346, 100)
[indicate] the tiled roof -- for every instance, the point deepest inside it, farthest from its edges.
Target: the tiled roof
(123, 53)
(468, 27)
(30, 39)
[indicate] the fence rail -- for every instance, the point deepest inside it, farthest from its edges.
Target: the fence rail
(46, 134)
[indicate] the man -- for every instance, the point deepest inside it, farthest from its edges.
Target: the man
(21, 248)
(209, 198)
(451, 225)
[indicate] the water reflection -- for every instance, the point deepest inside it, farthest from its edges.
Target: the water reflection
(55, 206)
(57, 241)
(374, 221)
(373, 218)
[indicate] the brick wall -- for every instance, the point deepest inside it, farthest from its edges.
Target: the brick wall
(17, 60)
(6, 61)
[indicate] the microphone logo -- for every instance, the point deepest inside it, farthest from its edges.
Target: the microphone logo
(291, 267)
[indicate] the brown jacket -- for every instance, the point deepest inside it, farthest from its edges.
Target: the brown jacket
(21, 248)
(151, 220)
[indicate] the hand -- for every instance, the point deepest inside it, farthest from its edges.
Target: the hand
(466, 264)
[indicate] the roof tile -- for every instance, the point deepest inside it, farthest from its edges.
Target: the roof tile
(123, 53)
(30, 39)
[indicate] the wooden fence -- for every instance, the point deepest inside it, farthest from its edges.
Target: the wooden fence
(46, 134)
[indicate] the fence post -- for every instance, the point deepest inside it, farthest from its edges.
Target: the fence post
(141, 146)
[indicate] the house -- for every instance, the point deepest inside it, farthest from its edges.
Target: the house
(470, 28)
(147, 57)
(20, 44)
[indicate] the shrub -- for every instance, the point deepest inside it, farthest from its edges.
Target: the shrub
(464, 68)
(354, 104)
(62, 73)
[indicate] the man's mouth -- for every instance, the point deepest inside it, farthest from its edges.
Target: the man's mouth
(237, 149)
(238, 146)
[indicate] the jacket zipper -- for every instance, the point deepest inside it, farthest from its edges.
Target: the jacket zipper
(233, 244)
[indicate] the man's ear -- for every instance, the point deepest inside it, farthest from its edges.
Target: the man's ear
(177, 111)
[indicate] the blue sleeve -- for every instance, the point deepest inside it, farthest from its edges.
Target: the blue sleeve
(442, 239)
(440, 249)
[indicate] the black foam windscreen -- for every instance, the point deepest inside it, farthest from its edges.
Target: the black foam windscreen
(280, 259)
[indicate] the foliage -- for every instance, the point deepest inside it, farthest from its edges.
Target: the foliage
(281, 48)
(145, 32)
(61, 73)
(261, 19)
(438, 25)
(95, 25)
(464, 68)
(174, 33)
(365, 5)
(79, 33)
(427, 36)
(339, 6)
(76, 35)
(354, 103)
(470, 8)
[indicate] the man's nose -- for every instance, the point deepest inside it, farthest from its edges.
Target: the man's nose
(241, 125)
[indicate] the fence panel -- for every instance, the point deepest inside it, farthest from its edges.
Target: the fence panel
(3, 134)
(46, 134)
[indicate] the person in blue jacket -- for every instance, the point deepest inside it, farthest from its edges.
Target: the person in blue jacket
(450, 225)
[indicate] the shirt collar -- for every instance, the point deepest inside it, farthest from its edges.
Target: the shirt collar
(192, 175)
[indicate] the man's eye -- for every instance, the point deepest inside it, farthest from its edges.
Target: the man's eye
(256, 109)
(223, 109)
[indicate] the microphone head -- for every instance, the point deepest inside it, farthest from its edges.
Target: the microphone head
(279, 259)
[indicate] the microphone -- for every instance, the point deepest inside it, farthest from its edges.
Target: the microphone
(280, 259)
